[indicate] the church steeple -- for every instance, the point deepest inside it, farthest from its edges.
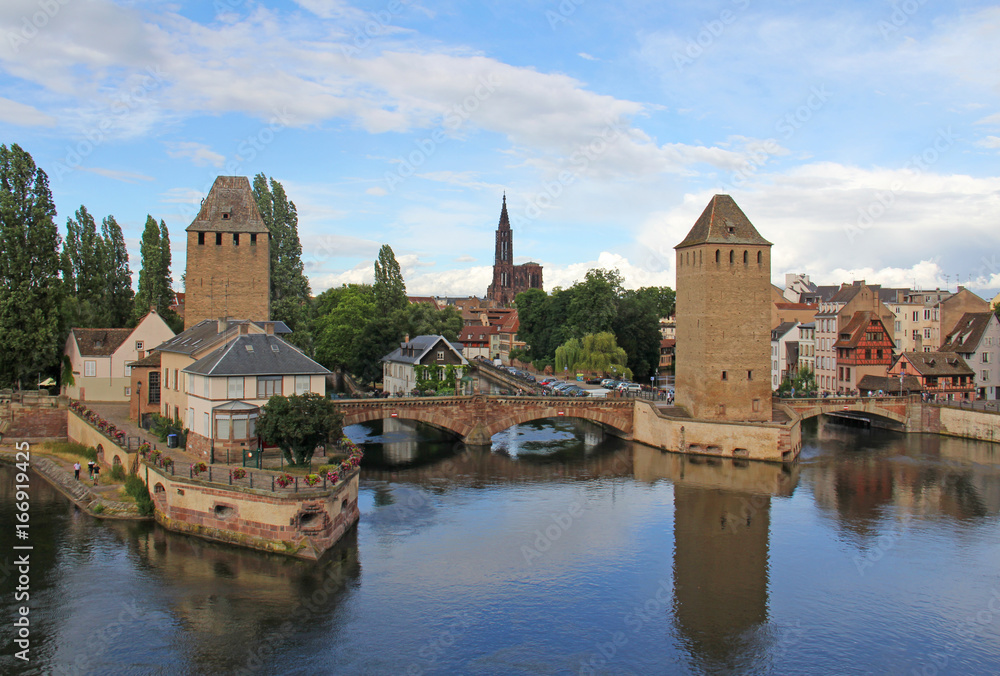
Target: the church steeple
(504, 221)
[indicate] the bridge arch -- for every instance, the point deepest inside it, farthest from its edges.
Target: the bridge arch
(891, 408)
(477, 418)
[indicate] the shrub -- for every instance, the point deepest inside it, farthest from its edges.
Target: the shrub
(118, 473)
(98, 508)
(135, 487)
(73, 448)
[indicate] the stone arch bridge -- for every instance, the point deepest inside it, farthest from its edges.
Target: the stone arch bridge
(477, 418)
(897, 409)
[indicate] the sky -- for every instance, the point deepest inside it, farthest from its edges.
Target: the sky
(862, 138)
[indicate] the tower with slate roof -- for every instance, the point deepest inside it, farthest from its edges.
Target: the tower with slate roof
(723, 317)
(228, 256)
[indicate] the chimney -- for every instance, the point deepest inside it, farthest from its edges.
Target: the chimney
(244, 328)
(223, 324)
(269, 328)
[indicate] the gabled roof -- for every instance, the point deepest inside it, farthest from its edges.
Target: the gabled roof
(256, 354)
(851, 335)
(846, 293)
(825, 293)
(229, 207)
(420, 346)
(471, 334)
(99, 342)
(781, 329)
(968, 332)
(722, 222)
(937, 363)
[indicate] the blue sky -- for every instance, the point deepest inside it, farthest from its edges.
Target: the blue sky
(862, 138)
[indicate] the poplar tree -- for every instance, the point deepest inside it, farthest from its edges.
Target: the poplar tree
(86, 281)
(31, 289)
(119, 299)
(290, 294)
(154, 276)
(390, 290)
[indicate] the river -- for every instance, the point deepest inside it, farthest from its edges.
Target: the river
(558, 551)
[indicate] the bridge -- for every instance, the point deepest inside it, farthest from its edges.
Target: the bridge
(477, 418)
(897, 409)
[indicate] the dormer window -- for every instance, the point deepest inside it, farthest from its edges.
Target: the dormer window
(225, 215)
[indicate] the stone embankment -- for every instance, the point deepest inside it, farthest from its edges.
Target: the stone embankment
(82, 495)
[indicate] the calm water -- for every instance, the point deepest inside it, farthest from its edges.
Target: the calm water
(557, 552)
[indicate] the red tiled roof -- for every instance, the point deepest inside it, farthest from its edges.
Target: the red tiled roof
(100, 342)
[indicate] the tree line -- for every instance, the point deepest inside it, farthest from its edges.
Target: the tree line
(596, 305)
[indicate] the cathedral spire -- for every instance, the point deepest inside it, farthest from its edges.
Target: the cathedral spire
(504, 220)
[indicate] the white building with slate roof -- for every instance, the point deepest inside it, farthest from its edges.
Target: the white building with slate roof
(398, 374)
(227, 387)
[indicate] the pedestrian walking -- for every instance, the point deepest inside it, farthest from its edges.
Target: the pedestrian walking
(97, 473)
(90, 469)
(76, 471)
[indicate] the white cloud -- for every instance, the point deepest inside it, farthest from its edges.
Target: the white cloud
(23, 115)
(588, 57)
(378, 191)
(199, 153)
(124, 176)
(991, 142)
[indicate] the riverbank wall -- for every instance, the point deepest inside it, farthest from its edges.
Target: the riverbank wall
(303, 524)
(956, 422)
(772, 442)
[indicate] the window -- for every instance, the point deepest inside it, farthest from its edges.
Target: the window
(128, 370)
(235, 390)
(760, 258)
(749, 375)
(268, 386)
(756, 405)
(201, 238)
(716, 255)
(927, 333)
(138, 346)
(236, 239)
(205, 381)
(986, 357)
(240, 426)
(985, 376)
(222, 427)
(218, 239)
(252, 426)
(207, 426)
(731, 258)
(440, 355)
(301, 384)
(916, 316)
(190, 418)
(176, 379)
(745, 258)
(128, 391)
(253, 239)
(725, 376)
(90, 368)
(154, 387)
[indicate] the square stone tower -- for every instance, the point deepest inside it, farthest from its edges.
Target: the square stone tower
(228, 256)
(723, 317)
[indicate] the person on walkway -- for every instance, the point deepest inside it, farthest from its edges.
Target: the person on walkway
(90, 469)
(76, 471)
(97, 473)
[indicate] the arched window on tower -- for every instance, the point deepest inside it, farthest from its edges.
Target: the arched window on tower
(760, 257)
(745, 258)
(730, 256)
(716, 255)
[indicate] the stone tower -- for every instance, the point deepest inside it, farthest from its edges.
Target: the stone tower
(509, 279)
(723, 317)
(228, 257)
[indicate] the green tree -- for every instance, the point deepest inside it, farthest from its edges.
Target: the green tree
(85, 275)
(597, 353)
(154, 277)
(290, 294)
(297, 424)
(595, 302)
(390, 290)
(340, 330)
(423, 319)
(31, 287)
(637, 327)
(119, 298)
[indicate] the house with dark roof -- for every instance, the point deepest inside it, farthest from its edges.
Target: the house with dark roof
(864, 347)
(226, 388)
(475, 340)
(165, 386)
(100, 358)
(399, 375)
(976, 337)
(944, 376)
